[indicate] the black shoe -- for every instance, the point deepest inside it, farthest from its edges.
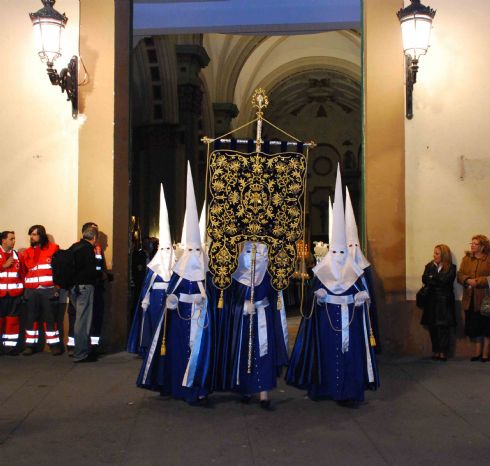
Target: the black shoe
(266, 405)
(89, 358)
(353, 404)
(246, 399)
(56, 350)
(442, 358)
(201, 401)
(12, 352)
(476, 358)
(483, 359)
(29, 351)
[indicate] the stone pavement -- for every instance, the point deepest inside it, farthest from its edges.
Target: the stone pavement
(53, 412)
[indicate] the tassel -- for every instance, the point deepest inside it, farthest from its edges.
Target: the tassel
(279, 301)
(163, 349)
(221, 300)
(372, 340)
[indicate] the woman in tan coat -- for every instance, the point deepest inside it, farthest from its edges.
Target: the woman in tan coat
(473, 275)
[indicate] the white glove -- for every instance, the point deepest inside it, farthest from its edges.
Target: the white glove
(360, 298)
(321, 294)
(172, 301)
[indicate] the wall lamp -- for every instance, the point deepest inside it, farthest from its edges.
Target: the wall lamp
(416, 23)
(48, 24)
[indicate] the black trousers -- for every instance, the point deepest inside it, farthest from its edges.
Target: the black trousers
(439, 336)
(42, 305)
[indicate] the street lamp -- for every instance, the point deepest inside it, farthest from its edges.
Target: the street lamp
(416, 23)
(48, 25)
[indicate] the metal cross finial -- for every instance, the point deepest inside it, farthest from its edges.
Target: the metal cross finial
(259, 101)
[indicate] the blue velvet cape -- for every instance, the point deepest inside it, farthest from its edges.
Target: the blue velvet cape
(317, 362)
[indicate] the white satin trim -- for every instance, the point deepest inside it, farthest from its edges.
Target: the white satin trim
(259, 308)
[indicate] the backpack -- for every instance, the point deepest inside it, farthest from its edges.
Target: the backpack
(64, 267)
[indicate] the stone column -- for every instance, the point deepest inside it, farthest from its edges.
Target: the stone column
(224, 112)
(190, 60)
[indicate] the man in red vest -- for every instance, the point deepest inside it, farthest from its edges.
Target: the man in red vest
(11, 289)
(40, 294)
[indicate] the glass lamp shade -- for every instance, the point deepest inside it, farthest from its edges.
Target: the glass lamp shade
(47, 35)
(48, 24)
(416, 34)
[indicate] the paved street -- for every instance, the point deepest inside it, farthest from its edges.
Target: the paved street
(56, 412)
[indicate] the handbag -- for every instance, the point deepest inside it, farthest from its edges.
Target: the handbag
(422, 297)
(485, 306)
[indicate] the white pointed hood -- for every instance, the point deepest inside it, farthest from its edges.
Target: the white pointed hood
(163, 260)
(243, 273)
(330, 219)
(352, 235)
(337, 270)
(193, 263)
(202, 227)
(182, 236)
(179, 247)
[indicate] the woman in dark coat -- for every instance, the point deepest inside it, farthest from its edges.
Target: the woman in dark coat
(439, 312)
(474, 275)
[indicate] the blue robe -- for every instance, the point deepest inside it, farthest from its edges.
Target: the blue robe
(146, 320)
(167, 373)
(318, 362)
(233, 341)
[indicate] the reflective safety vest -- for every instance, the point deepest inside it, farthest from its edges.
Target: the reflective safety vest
(11, 282)
(98, 257)
(38, 263)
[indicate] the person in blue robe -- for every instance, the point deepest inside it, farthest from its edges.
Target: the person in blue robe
(180, 357)
(251, 354)
(333, 355)
(153, 292)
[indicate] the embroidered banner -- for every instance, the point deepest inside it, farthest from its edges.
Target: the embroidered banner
(255, 197)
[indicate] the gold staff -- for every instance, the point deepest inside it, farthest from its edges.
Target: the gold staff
(250, 309)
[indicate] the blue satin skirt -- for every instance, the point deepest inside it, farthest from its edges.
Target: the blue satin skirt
(165, 373)
(318, 363)
(231, 371)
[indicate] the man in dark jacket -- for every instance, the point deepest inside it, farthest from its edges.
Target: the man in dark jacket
(82, 293)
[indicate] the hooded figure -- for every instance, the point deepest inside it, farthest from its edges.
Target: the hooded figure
(179, 357)
(252, 332)
(332, 356)
(153, 291)
(354, 248)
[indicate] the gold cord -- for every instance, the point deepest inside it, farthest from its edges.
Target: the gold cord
(342, 328)
(163, 348)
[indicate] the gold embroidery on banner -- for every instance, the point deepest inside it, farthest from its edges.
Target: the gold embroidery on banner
(255, 197)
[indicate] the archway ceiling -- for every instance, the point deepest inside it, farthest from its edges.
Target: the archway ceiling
(322, 87)
(240, 63)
